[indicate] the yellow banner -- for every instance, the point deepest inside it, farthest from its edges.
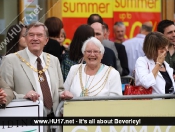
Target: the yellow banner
(137, 5)
(117, 108)
(79, 8)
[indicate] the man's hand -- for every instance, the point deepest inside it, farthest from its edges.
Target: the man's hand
(32, 95)
(2, 97)
(66, 95)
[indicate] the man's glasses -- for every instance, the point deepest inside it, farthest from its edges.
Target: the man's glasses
(32, 35)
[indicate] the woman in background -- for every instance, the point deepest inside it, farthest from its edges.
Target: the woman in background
(61, 40)
(74, 55)
(16, 37)
(54, 26)
(152, 70)
(62, 37)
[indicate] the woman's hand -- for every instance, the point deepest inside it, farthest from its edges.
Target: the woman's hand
(66, 95)
(159, 62)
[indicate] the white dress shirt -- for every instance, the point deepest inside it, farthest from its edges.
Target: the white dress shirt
(33, 62)
(134, 50)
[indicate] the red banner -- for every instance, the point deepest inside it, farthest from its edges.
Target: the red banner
(114, 11)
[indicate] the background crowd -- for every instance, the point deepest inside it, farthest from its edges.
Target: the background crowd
(92, 65)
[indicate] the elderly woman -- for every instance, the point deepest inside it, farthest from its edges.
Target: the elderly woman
(152, 70)
(93, 78)
(74, 55)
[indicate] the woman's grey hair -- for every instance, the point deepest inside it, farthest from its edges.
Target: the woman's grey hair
(96, 42)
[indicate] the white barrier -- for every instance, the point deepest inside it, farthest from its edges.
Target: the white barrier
(22, 108)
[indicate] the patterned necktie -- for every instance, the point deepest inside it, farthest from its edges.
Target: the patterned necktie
(44, 86)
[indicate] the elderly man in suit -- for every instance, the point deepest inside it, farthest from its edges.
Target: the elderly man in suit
(6, 94)
(34, 74)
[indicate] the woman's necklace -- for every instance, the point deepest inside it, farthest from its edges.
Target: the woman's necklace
(87, 81)
(86, 91)
(162, 66)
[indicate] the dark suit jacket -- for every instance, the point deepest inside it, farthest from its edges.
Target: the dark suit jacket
(109, 44)
(123, 58)
(53, 47)
(109, 58)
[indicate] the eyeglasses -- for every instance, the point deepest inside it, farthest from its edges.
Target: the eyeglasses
(32, 35)
(95, 52)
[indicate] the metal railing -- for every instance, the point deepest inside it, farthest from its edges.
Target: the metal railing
(125, 97)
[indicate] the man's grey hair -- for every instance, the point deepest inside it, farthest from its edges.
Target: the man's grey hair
(119, 24)
(96, 42)
(37, 24)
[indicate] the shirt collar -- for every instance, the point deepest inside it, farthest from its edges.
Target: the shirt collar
(33, 57)
(140, 36)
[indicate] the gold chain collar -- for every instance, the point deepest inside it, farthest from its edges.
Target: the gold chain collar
(85, 91)
(34, 69)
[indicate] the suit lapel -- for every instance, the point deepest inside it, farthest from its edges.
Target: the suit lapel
(50, 71)
(27, 70)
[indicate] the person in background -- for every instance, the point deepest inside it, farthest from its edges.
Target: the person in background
(61, 40)
(109, 45)
(109, 57)
(74, 55)
(134, 46)
(53, 47)
(167, 27)
(94, 18)
(152, 70)
(93, 78)
(62, 37)
(15, 35)
(120, 49)
(119, 31)
(106, 31)
(6, 94)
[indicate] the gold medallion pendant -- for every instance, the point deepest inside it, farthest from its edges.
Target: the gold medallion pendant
(85, 92)
(40, 78)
